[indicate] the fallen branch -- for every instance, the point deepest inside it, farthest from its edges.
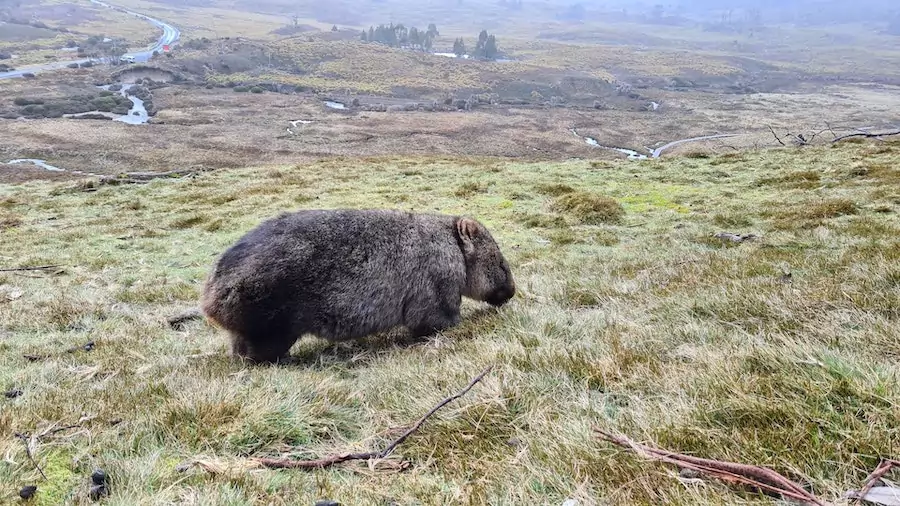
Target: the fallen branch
(337, 459)
(867, 135)
(882, 469)
(35, 268)
(88, 346)
(178, 321)
(146, 177)
(759, 477)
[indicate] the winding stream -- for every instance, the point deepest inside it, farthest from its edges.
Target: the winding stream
(654, 153)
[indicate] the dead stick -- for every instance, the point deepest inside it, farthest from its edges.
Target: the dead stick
(24, 439)
(760, 477)
(337, 459)
(35, 268)
(178, 320)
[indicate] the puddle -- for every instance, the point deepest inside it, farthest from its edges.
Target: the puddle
(46, 166)
(334, 105)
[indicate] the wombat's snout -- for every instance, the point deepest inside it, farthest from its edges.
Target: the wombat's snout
(501, 296)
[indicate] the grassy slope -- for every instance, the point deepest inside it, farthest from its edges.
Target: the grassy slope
(646, 326)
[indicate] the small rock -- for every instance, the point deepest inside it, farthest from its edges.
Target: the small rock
(514, 442)
(27, 492)
(327, 502)
(570, 502)
(12, 394)
(727, 236)
(98, 477)
(689, 473)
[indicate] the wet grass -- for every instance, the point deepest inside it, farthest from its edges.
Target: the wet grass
(630, 316)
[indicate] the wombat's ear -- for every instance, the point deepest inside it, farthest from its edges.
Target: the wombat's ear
(467, 229)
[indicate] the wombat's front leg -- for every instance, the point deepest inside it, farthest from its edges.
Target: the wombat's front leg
(442, 314)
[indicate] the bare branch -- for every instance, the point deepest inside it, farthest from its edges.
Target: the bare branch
(867, 135)
(337, 459)
(759, 477)
(776, 136)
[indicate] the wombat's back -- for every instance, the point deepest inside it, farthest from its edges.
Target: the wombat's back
(340, 274)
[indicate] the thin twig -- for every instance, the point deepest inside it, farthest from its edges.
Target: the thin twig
(35, 268)
(759, 477)
(25, 439)
(776, 136)
(337, 459)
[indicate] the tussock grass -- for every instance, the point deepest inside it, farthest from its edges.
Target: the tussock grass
(588, 208)
(639, 324)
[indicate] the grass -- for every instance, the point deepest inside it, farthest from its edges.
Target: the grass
(640, 324)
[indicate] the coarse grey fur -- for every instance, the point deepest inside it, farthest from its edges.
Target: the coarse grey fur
(345, 274)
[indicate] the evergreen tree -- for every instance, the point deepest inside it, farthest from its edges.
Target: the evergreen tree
(432, 30)
(459, 47)
(490, 48)
(363, 37)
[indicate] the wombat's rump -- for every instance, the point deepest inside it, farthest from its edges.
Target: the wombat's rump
(344, 274)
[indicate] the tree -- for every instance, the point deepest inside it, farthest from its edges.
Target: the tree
(459, 47)
(479, 46)
(334, 28)
(486, 47)
(363, 37)
(432, 30)
(490, 48)
(100, 46)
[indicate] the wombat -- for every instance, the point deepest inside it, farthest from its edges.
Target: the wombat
(344, 274)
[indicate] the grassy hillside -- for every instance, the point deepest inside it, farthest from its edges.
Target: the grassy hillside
(780, 351)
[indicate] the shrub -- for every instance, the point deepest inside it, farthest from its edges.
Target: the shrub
(241, 89)
(256, 89)
(27, 101)
(87, 64)
(72, 65)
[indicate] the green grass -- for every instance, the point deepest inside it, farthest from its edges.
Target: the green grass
(642, 324)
